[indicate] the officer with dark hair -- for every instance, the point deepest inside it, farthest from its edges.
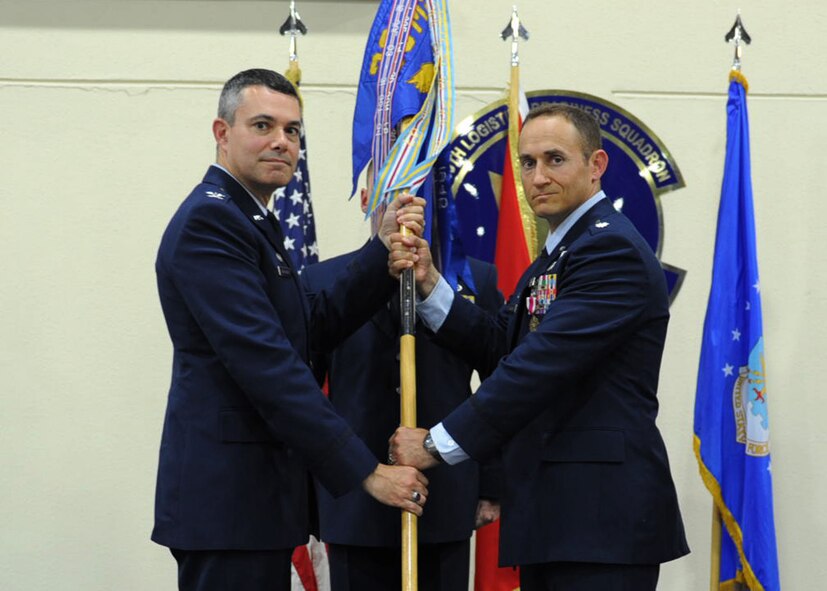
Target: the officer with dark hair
(245, 418)
(589, 503)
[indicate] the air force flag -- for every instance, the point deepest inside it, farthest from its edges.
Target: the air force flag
(731, 421)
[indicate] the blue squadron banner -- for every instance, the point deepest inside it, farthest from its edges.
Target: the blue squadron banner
(392, 98)
(731, 420)
(405, 112)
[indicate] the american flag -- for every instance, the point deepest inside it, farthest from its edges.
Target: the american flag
(292, 207)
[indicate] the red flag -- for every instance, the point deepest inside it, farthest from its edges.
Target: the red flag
(511, 254)
(487, 575)
(515, 249)
(516, 234)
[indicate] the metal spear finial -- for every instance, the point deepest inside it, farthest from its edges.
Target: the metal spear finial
(738, 35)
(515, 30)
(294, 26)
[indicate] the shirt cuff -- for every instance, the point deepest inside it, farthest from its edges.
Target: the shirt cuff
(449, 449)
(434, 309)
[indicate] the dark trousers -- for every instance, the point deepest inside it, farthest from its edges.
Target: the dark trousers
(442, 567)
(587, 576)
(233, 570)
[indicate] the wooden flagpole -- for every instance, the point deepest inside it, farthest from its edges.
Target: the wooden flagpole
(407, 373)
(715, 552)
(407, 404)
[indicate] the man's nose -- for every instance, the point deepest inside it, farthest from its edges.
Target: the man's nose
(540, 176)
(278, 139)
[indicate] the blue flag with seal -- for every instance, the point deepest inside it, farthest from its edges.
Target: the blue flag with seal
(731, 420)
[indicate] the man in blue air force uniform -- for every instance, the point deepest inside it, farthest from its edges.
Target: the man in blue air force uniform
(245, 417)
(588, 502)
(364, 536)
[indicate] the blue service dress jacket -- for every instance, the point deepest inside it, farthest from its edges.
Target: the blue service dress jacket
(363, 377)
(245, 417)
(573, 402)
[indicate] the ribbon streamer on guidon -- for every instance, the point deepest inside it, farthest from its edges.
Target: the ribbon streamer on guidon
(402, 168)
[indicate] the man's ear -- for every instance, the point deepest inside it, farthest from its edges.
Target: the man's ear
(599, 163)
(363, 200)
(219, 131)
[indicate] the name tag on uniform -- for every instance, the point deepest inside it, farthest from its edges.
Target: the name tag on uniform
(283, 270)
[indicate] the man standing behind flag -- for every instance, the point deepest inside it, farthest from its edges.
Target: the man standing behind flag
(589, 502)
(731, 420)
(245, 418)
(364, 536)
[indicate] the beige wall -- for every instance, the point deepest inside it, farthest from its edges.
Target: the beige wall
(106, 110)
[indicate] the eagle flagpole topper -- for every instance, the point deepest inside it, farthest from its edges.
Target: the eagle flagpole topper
(737, 35)
(294, 26)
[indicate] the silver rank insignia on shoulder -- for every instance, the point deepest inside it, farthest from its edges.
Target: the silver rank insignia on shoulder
(601, 225)
(215, 195)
